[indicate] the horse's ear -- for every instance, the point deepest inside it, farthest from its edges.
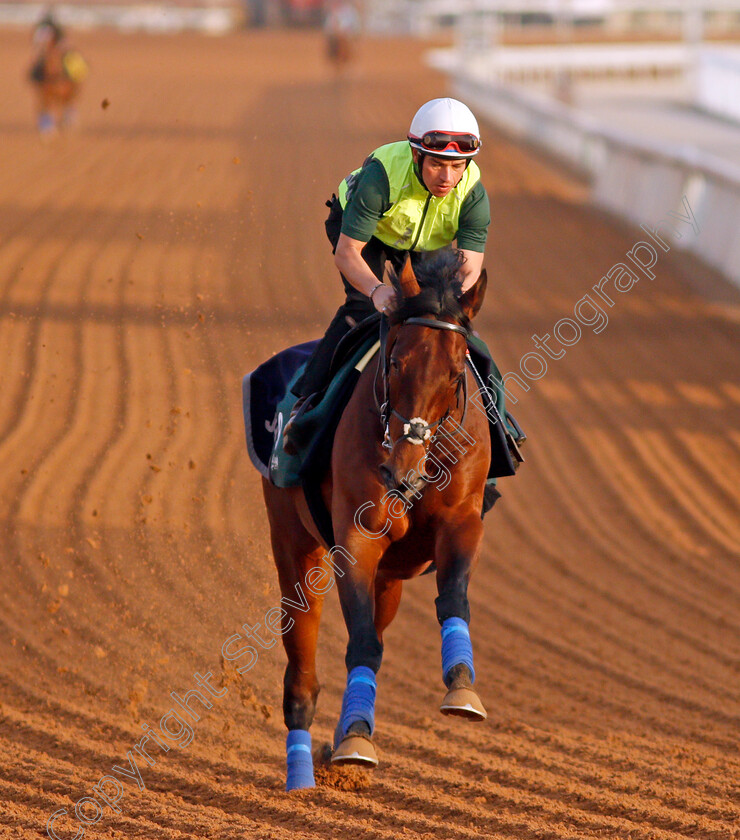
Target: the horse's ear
(407, 280)
(472, 300)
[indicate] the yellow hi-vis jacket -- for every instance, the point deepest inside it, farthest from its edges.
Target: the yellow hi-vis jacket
(416, 220)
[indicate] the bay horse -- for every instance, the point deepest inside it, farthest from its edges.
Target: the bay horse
(341, 26)
(405, 490)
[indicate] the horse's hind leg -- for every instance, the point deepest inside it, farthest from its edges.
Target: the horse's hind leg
(296, 553)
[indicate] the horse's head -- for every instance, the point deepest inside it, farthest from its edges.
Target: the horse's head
(424, 377)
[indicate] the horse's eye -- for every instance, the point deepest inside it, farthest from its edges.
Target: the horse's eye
(394, 364)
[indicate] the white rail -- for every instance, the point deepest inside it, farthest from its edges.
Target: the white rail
(146, 17)
(422, 17)
(501, 63)
(718, 81)
(631, 177)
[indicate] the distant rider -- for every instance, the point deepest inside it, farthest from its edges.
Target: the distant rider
(57, 73)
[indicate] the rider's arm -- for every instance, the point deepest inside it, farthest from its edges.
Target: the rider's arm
(471, 268)
(348, 259)
(369, 199)
(475, 217)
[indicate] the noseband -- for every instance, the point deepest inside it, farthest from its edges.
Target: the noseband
(416, 430)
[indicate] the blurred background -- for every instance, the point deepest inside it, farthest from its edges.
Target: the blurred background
(626, 92)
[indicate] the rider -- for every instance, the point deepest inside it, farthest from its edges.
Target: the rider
(407, 198)
(56, 72)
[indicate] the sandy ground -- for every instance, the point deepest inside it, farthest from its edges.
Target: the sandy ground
(176, 241)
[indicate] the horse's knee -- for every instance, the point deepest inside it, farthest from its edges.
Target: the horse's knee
(364, 646)
(365, 649)
(452, 601)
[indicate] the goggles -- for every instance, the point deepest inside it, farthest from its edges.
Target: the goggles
(442, 141)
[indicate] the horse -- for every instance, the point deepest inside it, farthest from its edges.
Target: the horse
(405, 496)
(341, 26)
(338, 49)
(56, 73)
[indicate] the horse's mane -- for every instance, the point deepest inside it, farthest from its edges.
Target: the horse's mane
(438, 275)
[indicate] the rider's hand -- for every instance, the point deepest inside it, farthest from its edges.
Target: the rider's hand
(384, 298)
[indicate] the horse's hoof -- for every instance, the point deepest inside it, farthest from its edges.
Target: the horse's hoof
(463, 702)
(354, 749)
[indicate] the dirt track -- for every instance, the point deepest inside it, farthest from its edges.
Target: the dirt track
(146, 264)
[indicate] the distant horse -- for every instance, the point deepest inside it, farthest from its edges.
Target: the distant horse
(341, 26)
(56, 73)
(405, 488)
(338, 49)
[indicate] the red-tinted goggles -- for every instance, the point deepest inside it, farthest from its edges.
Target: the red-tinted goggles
(442, 141)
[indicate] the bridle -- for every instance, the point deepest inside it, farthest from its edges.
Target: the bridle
(416, 430)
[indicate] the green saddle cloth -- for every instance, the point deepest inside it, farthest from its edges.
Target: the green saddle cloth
(313, 431)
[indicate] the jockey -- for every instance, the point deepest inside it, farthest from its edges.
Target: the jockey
(407, 198)
(57, 72)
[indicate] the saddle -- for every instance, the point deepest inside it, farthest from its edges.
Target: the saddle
(268, 401)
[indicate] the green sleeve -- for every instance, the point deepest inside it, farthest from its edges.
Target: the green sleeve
(368, 198)
(475, 217)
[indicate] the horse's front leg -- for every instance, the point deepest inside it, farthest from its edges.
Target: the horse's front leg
(356, 570)
(456, 551)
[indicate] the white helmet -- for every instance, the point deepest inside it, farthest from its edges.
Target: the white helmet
(445, 128)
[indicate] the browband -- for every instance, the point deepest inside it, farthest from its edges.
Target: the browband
(437, 325)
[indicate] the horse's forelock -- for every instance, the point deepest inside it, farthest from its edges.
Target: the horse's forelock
(438, 275)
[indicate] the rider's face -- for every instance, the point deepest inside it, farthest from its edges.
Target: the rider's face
(441, 175)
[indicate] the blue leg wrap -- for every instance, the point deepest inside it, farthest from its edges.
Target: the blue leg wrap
(359, 699)
(456, 646)
(300, 761)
